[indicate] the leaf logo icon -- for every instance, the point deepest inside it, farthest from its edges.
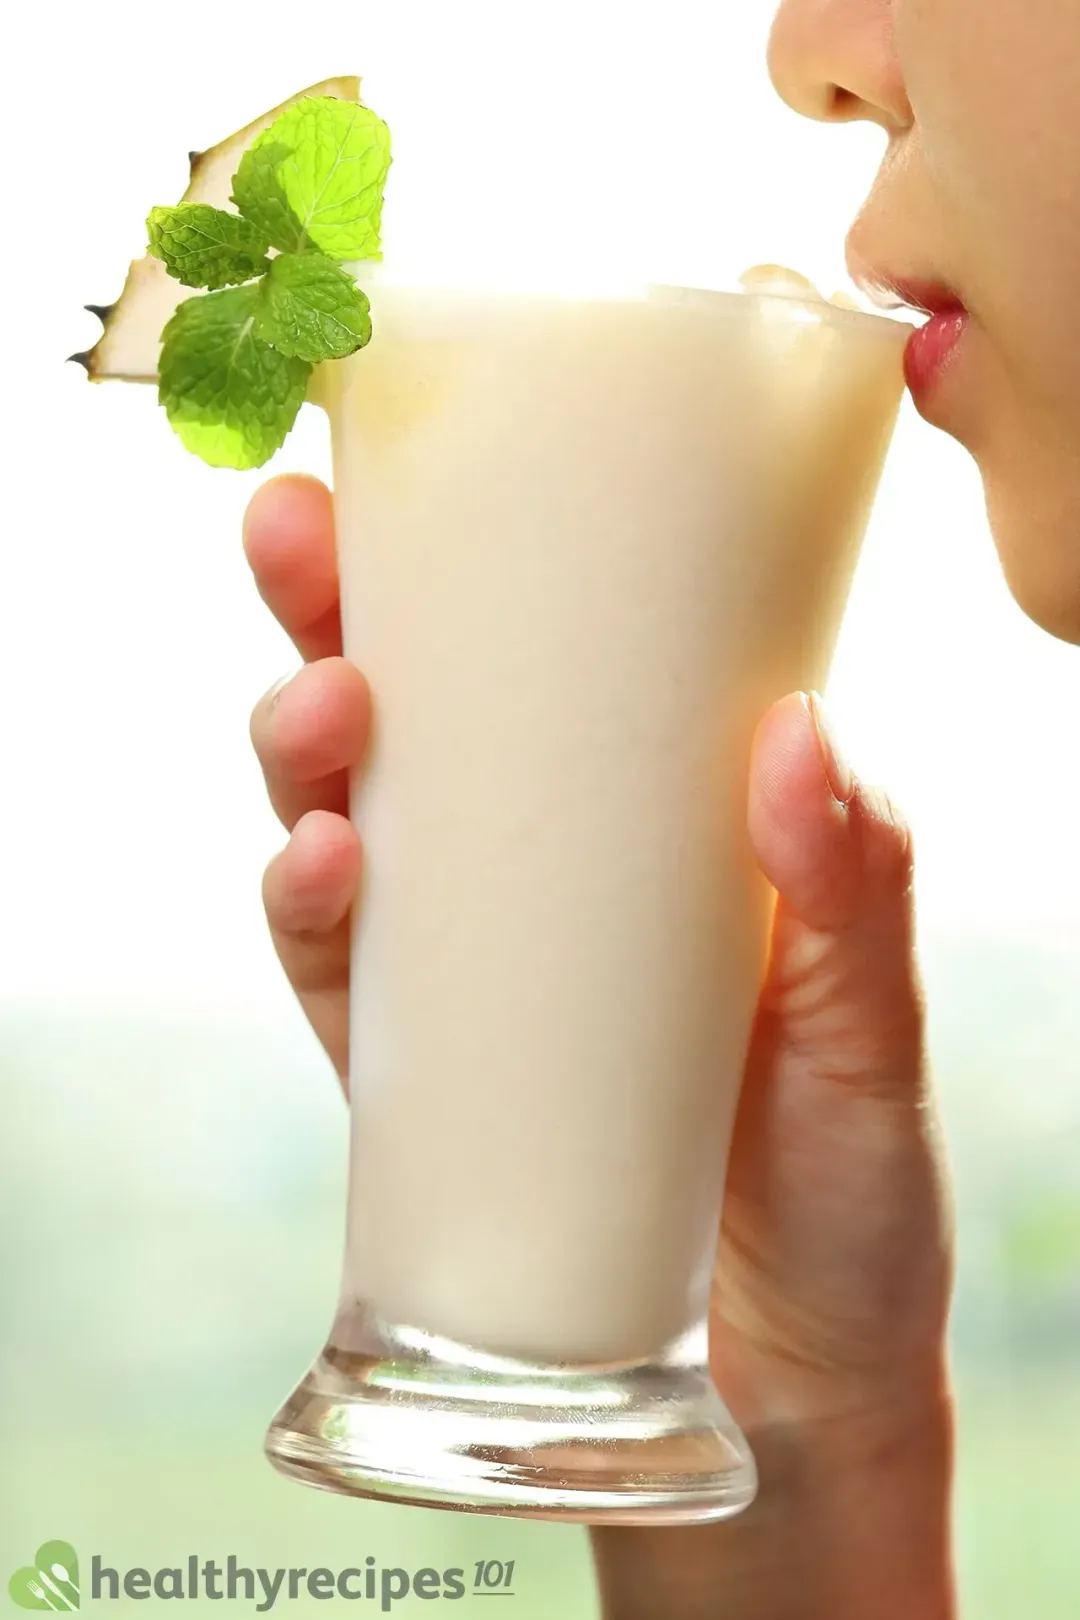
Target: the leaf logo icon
(51, 1582)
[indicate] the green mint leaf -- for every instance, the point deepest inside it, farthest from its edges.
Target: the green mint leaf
(260, 196)
(316, 178)
(309, 306)
(230, 396)
(206, 247)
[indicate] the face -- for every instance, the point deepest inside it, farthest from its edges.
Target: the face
(975, 215)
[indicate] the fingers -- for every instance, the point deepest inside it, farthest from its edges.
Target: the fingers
(842, 977)
(308, 733)
(308, 891)
(820, 835)
(289, 544)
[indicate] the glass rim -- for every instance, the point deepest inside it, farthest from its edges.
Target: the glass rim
(824, 312)
(787, 309)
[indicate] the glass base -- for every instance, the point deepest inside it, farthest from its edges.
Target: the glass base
(412, 1418)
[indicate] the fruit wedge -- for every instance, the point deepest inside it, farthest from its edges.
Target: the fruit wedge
(129, 346)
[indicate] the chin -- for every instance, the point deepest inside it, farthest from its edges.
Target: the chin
(1027, 449)
(1038, 540)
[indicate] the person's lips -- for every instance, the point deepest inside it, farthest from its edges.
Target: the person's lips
(932, 348)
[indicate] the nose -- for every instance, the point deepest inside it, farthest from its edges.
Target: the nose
(835, 60)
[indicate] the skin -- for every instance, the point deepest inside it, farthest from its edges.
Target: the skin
(835, 1258)
(977, 191)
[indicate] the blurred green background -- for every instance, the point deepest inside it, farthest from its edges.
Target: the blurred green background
(172, 1197)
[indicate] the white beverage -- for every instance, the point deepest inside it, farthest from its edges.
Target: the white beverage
(583, 546)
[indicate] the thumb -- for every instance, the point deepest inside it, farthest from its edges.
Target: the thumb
(842, 981)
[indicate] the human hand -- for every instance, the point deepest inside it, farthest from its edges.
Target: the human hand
(308, 732)
(834, 1268)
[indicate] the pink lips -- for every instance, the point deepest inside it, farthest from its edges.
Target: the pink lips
(930, 349)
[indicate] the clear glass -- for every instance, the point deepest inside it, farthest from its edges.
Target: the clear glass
(583, 545)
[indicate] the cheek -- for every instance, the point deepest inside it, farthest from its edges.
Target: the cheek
(995, 87)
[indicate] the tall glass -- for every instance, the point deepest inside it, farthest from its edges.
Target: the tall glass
(583, 545)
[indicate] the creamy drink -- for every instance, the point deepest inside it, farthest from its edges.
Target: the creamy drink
(583, 545)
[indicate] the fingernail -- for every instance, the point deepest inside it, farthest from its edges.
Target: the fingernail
(838, 772)
(274, 694)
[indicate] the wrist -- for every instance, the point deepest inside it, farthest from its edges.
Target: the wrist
(852, 1521)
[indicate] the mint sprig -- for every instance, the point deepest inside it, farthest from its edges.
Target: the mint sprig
(235, 364)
